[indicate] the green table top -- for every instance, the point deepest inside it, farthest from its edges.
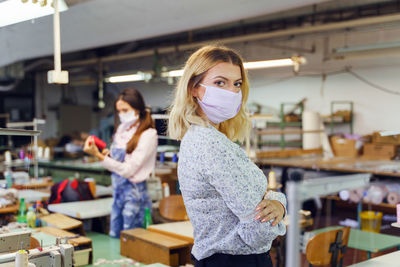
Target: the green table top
(368, 241)
(372, 242)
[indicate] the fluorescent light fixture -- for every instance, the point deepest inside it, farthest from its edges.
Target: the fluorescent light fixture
(284, 62)
(172, 73)
(146, 76)
(140, 76)
(14, 11)
(274, 63)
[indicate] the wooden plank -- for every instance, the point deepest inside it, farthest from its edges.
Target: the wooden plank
(156, 239)
(287, 153)
(180, 230)
(61, 221)
(9, 209)
(137, 243)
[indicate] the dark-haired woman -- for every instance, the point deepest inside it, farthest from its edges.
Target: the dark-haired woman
(131, 161)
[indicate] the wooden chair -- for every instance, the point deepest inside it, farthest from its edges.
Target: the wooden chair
(34, 243)
(173, 208)
(328, 247)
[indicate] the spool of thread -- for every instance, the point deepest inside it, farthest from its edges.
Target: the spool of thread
(175, 158)
(393, 198)
(40, 152)
(311, 122)
(165, 191)
(99, 143)
(162, 157)
(398, 213)
(344, 195)
(46, 153)
(21, 259)
(21, 154)
(272, 180)
(7, 156)
(376, 194)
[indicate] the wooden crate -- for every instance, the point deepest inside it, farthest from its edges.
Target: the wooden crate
(149, 247)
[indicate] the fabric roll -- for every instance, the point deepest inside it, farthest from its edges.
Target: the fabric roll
(311, 122)
(393, 198)
(344, 195)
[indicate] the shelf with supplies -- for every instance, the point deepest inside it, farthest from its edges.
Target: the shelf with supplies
(289, 118)
(340, 116)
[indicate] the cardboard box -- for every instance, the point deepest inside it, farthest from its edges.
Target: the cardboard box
(379, 151)
(343, 147)
(392, 139)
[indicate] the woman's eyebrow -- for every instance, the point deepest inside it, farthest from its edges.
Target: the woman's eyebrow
(222, 77)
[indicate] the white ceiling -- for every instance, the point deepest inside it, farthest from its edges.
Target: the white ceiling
(98, 23)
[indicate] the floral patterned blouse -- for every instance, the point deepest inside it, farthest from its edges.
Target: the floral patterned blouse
(221, 188)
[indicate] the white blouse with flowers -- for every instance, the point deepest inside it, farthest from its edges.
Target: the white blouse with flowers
(221, 188)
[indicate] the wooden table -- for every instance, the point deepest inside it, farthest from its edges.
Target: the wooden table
(372, 242)
(348, 165)
(63, 222)
(35, 184)
(184, 230)
(31, 196)
(151, 247)
(84, 209)
(9, 209)
(181, 230)
(387, 260)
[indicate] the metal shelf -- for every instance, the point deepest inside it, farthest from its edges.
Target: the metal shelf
(8, 131)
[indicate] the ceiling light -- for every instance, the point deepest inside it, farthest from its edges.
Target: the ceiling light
(172, 73)
(295, 61)
(140, 76)
(14, 11)
(275, 63)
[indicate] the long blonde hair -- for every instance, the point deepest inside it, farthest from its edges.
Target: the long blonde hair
(182, 112)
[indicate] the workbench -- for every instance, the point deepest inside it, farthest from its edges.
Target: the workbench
(346, 165)
(84, 209)
(62, 169)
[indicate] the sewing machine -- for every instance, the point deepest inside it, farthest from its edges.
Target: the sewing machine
(51, 256)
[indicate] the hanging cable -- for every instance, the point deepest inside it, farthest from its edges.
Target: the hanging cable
(381, 88)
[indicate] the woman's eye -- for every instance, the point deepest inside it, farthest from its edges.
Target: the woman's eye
(238, 84)
(220, 83)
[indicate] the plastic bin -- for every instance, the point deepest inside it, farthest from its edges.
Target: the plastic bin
(81, 257)
(371, 221)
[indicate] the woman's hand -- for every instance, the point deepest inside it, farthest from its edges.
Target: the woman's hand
(92, 149)
(268, 210)
(105, 152)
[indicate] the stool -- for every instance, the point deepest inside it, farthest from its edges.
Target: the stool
(149, 247)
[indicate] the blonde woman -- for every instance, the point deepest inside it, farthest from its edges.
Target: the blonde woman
(234, 219)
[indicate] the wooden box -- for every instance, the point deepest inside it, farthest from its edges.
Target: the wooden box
(392, 139)
(149, 247)
(379, 151)
(343, 147)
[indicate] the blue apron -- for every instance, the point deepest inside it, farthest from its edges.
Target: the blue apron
(130, 200)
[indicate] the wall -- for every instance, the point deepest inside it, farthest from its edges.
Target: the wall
(374, 109)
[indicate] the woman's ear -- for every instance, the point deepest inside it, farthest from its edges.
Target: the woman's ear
(195, 92)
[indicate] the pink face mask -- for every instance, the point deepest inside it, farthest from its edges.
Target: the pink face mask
(220, 105)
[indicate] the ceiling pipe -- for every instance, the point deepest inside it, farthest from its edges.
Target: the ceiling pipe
(249, 37)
